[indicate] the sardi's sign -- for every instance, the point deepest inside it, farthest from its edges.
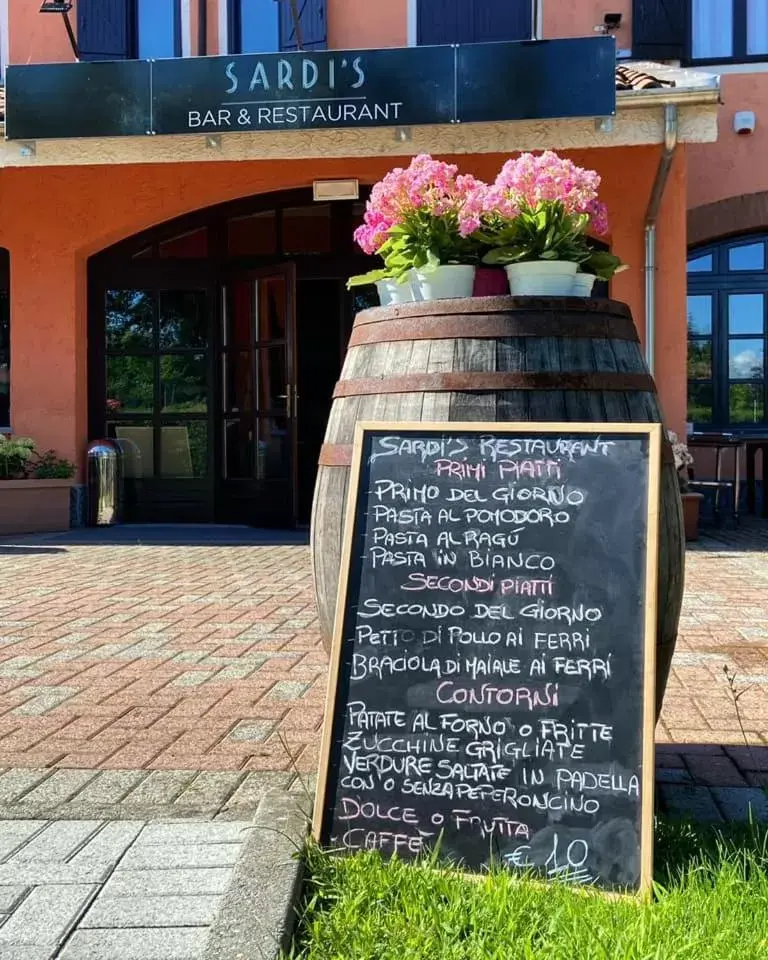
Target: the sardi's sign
(531, 80)
(319, 89)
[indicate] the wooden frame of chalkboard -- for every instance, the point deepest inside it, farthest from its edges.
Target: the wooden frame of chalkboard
(653, 434)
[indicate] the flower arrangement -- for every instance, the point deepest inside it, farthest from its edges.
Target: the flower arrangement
(540, 208)
(683, 459)
(415, 219)
(543, 208)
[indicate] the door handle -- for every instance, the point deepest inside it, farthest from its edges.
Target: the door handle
(291, 398)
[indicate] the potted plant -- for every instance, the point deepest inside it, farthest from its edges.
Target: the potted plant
(416, 221)
(34, 488)
(535, 220)
(691, 501)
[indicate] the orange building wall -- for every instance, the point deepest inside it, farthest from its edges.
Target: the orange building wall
(55, 218)
(212, 26)
(735, 164)
(42, 38)
(578, 18)
(35, 37)
(367, 23)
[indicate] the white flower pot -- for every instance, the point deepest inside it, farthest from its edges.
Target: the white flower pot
(583, 284)
(447, 282)
(390, 291)
(541, 278)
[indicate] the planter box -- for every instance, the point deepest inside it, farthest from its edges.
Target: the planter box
(34, 506)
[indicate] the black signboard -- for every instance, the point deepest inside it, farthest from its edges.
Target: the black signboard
(54, 100)
(315, 89)
(492, 682)
(536, 78)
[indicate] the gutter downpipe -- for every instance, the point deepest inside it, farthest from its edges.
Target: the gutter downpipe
(651, 216)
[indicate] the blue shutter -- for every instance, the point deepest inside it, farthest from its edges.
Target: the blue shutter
(312, 21)
(104, 29)
(501, 20)
(658, 29)
(473, 21)
(444, 21)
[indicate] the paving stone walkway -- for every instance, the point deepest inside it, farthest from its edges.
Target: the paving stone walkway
(130, 890)
(724, 626)
(150, 657)
(142, 650)
(156, 684)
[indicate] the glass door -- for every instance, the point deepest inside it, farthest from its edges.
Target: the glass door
(154, 384)
(257, 436)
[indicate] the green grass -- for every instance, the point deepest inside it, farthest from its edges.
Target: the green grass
(711, 903)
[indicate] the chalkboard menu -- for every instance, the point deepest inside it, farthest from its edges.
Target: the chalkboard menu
(492, 680)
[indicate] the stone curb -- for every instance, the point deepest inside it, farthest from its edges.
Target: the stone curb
(257, 918)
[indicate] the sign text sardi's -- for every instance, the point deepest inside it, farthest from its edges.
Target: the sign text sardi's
(318, 89)
(315, 89)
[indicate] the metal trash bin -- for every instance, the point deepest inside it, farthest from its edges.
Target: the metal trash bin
(105, 483)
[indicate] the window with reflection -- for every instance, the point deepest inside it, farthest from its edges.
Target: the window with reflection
(254, 26)
(158, 381)
(191, 245)
(728, 30)
(158, 29)
(252, 235)
(307, 229)
(727, 334)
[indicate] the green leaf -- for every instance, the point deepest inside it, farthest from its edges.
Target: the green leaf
(502, 255)
(373, 276)
(603, 264)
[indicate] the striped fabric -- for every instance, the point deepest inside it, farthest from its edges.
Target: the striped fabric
(629, 79)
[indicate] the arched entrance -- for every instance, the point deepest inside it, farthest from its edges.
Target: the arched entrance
(214, 344)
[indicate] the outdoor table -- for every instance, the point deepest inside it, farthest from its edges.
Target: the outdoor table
(752, 445)
(720, 442)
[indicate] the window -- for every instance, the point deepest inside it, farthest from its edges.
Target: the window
(483, 21)
(728, 334)
(5, 342)
(728, 30)
(158, 29)
(254, 26)
(127, 29)
(157, 381)
(702, 31)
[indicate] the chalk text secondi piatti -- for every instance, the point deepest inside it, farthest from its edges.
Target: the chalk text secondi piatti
(287, 93)
(474, 614)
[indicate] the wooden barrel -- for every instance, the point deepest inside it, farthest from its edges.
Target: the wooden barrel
(494, 359)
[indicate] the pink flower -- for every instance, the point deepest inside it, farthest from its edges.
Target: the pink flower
(372, 233)
(598, 218)
(532, 179)
(425, 186)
